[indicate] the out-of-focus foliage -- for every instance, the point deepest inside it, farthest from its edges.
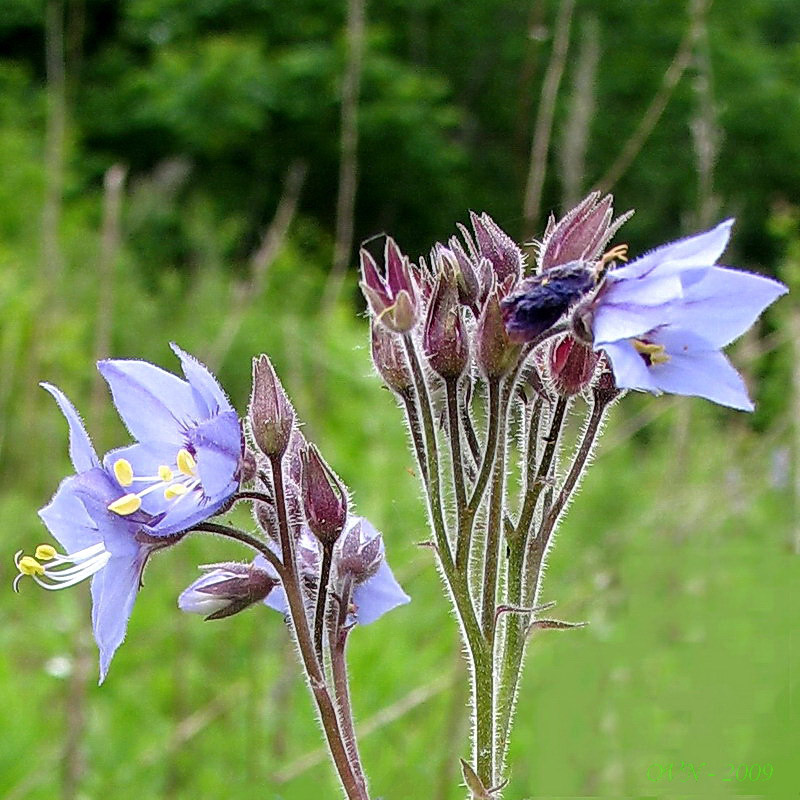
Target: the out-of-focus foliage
(678, 550)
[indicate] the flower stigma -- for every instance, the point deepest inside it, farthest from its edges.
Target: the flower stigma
(65, 570)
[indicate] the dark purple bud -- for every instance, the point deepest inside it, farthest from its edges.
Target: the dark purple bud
(572, 365)
(495, 352)
(445, 338)
(360, 553)
(226, 589)
(390, 359)
(540, 301)
(495, 245)
(271, 414)
(394, 300)
(324, 497)
(582, 233)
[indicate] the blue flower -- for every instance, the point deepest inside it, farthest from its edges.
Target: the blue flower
(664, 318)
(359, 559)
(186, 464)
(98, 544)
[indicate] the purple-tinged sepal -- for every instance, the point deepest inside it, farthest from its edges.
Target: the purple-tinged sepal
(582, 234)
(226, 589)
(444, 337)
(324, 497)
(270, 412)
(498, 248)
(393, 298)
(389, 359)
(571, 366)
(495, 352)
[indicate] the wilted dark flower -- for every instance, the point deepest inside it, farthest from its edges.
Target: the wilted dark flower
(394, 300)
(271, 414)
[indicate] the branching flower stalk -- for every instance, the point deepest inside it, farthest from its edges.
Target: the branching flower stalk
(470, 342)
(499, 344)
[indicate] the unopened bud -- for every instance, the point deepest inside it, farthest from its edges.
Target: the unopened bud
(226, 589)
(361, 551)
(495, 245)
(605, 389)
(572, 365)
(390, 359)
(271, 414)
(495, 353)
(445, 338)
(324, 497)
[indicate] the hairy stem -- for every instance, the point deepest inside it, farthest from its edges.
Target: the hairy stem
(305, 644)
(322, 599)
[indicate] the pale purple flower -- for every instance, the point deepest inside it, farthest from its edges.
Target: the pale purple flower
(226, 589)
(663, 319)
(375, 595)
(187, 462)
(98, 544)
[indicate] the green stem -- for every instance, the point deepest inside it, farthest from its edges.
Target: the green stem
(322, 599)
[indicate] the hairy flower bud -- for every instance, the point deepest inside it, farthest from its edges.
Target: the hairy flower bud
(226, 589)
(572, 365)
(605, 388)
(271, 414)
(495, 245)
(445, 338)
(324, 497)
(495, 352)
(361, 552)
(390, 359)
(582, 233)
(467, 280)
(394, 300)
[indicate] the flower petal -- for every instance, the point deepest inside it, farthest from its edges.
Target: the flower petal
(630, 369)
(725, 303)
(685, 255)
(379, 594)
(67, 519)
(699, 371)
(209, 397)
(153, 403)
(612, 323)
(114, 591)
(81, 451)
(218, 446)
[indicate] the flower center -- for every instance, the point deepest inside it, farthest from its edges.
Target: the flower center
(651, 353)
(175, 481)
(66, 569)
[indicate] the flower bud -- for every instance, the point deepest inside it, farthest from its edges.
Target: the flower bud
(361, 551)
(469, 285)
(572, 365)
(495, 353)
(495, 245)
(390, 359)
(394, 300)
(324, 497)
(582, 233)
(271, 414)
(226, 589)
(445, 338)
(605, 388)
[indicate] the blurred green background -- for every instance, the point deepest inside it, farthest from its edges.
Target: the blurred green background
(176, 171)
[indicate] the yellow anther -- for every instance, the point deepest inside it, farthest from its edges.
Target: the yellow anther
(44, 552)
(123, 472)
(165, 473)
(620, 252)
(655, 353)
(28, 565)
(186, 463)
(176, 490)
(126, 505)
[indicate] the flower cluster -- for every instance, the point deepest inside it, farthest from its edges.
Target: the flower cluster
(188, 463)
